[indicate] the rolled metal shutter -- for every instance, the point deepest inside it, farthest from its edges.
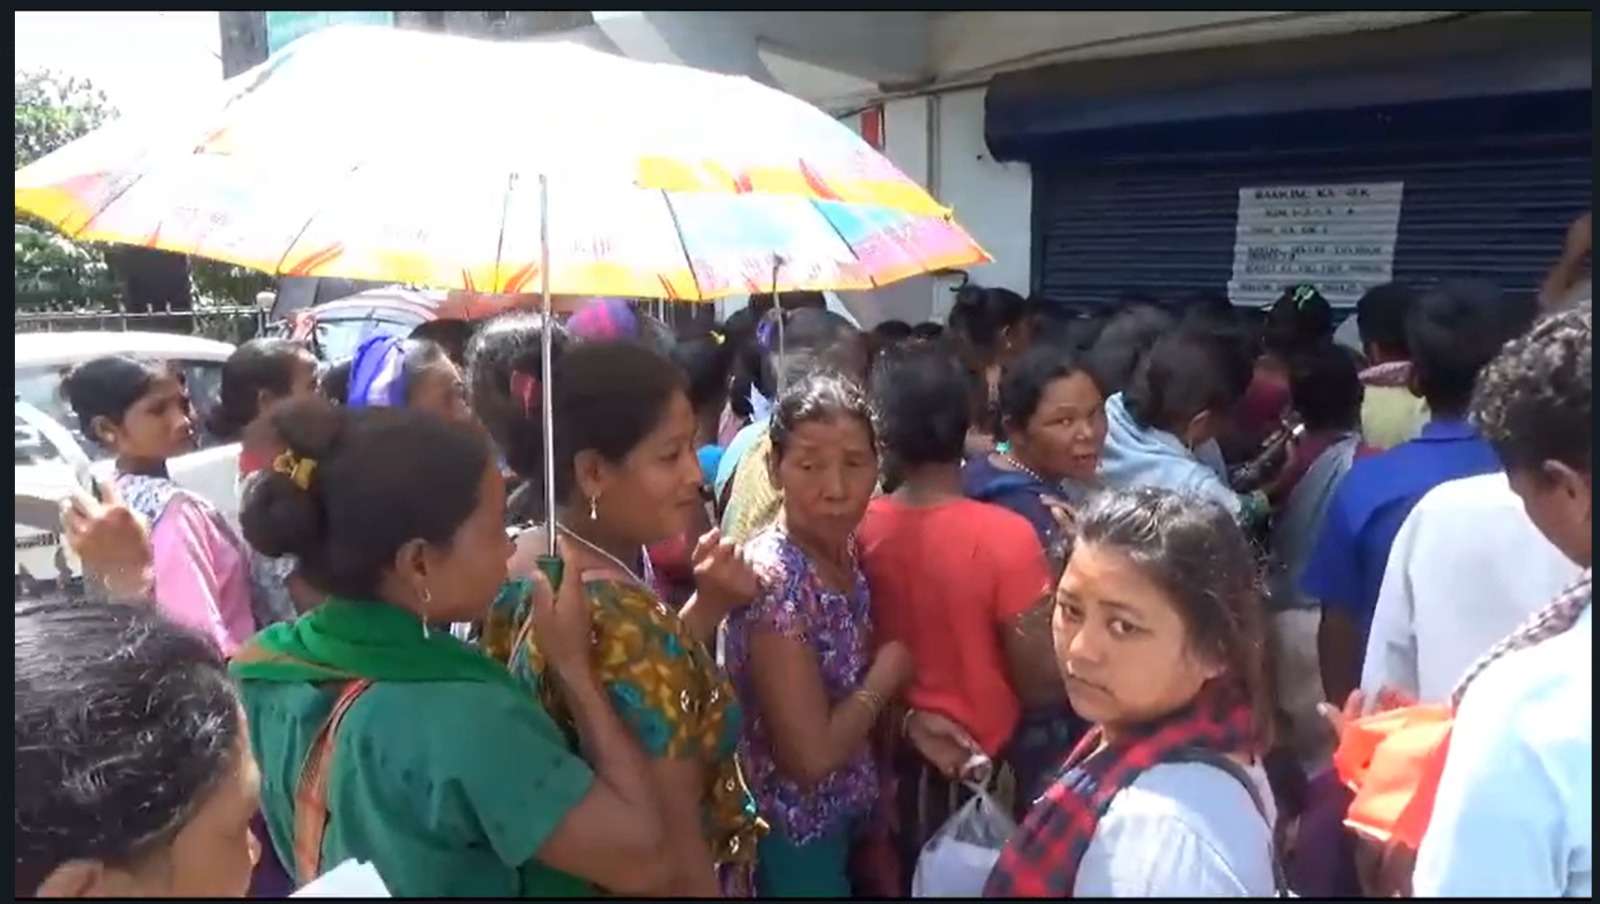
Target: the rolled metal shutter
(1497, 211)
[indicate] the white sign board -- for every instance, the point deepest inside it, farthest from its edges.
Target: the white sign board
(1339, 238)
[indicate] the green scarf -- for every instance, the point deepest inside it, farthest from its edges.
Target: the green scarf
(342, 640)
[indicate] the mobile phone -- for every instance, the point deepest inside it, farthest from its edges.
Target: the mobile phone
(87, 480)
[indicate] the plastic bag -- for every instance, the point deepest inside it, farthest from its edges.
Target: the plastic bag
(957, 860)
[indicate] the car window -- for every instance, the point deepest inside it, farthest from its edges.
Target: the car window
(338, 339)
(41, 388)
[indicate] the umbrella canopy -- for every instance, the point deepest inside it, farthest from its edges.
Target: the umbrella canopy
(429, 152)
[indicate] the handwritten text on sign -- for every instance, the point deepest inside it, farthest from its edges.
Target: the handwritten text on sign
(1339, 238)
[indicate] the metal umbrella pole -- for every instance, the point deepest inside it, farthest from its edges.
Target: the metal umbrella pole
(777, 306)
(550, 562)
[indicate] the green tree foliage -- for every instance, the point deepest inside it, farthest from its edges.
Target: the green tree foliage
(51, 111)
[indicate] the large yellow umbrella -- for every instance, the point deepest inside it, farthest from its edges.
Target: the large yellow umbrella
(498, 167)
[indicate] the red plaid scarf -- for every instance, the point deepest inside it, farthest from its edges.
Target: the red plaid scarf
(1041, 859)
(1554, 619)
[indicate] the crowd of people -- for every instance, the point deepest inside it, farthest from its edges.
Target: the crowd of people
(1129, 571)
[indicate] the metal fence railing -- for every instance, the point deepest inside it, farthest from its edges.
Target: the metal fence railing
(227, 323)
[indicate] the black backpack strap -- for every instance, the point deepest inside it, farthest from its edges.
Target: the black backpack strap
(1230, 766)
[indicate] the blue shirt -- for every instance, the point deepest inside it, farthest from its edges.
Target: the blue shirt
(1346, 566)
(710, 456)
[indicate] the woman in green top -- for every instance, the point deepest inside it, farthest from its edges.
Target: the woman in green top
(443, 772)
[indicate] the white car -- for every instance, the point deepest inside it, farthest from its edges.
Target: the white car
(52, 454)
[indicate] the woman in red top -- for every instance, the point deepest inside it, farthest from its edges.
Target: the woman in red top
(964, 584)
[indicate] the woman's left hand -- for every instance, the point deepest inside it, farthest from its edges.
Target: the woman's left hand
(722, 573)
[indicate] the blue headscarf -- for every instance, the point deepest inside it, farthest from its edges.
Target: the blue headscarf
(377, 375)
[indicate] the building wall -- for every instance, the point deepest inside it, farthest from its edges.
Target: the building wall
(938, 141)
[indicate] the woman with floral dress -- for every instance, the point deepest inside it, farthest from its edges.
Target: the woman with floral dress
(801, 653)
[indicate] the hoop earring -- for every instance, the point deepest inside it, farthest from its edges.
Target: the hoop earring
(427, 603)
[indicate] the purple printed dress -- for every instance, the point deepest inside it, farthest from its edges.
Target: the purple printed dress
(837, 627)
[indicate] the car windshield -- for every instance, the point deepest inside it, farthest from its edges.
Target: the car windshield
(40, 387)
(338, 338)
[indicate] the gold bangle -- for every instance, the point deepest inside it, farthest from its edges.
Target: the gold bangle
(872, 699)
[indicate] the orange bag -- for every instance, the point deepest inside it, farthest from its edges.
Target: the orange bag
(1392, 761)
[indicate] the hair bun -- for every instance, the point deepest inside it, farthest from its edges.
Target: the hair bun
(278, 517)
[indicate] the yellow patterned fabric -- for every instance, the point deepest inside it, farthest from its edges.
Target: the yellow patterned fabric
(755, 502)
(663, 683)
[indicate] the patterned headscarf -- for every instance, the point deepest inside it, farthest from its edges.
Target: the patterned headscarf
(606, 320)
(377, 375)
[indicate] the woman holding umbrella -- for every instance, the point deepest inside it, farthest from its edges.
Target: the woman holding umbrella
(626, 476)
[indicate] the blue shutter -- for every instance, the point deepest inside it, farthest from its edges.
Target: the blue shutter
(1497, 210)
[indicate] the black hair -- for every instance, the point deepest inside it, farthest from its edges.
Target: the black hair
(653, 331)
(1137, 298)
(818, 396)
(707, 362)
(748, 367)
(1184, 374)
(420, 355)
(1125, 339)
(920, 393)
(503, 346)
(1239, 343)
(260, 364)
(125, 723)
(812, 338)
(1453, 331)
(1300, 318)
(1195, 551)
(1025, 381)
(927, 331)
(1381, 317)
(1326, 387)
(450, 333)
(607, 397)
(107, 387)
(363, 502)
(334, 385)
(1210, 305)
(980, 315)
(890, 332)
(1535, 402)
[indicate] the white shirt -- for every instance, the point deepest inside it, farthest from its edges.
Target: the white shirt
(1182, 830)
(1467, 568)
(1514, 813)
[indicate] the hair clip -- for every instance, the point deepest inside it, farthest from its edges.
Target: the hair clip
(524, 387)
(295, 467)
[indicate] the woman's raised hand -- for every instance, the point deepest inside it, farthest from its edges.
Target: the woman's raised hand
(722, 573)
(110, 540)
